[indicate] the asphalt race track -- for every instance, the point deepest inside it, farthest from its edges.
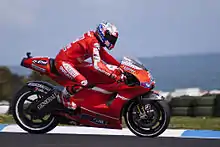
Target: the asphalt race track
(58, 140)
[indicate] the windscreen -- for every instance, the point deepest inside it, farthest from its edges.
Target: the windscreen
(134, 61)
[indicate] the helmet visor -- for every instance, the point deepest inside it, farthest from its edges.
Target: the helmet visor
(112, 39)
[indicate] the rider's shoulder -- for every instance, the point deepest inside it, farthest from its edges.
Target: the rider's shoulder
(89, 34)
(92, 40)
(90, 37)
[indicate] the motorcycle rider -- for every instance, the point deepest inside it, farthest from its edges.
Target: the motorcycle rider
(91, 44)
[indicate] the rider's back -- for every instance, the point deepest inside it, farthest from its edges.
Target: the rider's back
(78, 51)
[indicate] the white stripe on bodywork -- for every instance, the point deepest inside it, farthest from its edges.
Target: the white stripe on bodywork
(108, 92)
(99, 113)
(101, 90)
(121, 97)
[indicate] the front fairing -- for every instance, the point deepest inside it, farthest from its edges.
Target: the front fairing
(136, 68)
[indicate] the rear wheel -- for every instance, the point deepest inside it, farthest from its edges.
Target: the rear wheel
(148, 120)
(25, 119)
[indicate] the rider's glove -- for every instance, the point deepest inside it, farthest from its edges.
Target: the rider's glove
(122, 78)
(118, 75)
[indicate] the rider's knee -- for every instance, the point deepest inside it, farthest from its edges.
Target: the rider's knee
(84, 83)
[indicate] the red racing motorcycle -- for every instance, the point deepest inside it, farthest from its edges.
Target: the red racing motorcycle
(104, 104)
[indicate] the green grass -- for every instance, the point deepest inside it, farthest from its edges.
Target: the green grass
(200, 123)
(204, 123)
(6, 119)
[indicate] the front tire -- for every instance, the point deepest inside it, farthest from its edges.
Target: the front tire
(154, 124)
(22, 119)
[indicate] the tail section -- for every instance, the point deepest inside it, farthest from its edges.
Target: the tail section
(39, 64)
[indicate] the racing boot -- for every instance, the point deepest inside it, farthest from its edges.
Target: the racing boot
(65, 95)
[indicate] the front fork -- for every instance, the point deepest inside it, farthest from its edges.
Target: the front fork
(141, 107)
(144, 107)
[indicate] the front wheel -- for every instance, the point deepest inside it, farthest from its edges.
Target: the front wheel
(25, 119)
(148, 120)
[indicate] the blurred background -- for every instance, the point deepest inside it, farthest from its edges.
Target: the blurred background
(178, 41)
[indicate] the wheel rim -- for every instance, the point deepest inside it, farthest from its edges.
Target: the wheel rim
(30, 122)
(147, 125)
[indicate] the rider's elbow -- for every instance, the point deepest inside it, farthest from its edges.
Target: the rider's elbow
(95, 65)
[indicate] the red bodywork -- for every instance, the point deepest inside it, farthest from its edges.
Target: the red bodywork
(93, 102)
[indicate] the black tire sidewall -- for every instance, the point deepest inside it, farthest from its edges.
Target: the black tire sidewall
(23, 90)
(166, 110)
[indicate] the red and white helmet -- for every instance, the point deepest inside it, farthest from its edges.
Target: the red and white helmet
(107, 34)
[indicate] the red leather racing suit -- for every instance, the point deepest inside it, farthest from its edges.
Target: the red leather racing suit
(77, 52)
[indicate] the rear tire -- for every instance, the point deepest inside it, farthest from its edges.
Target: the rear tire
(21, 119)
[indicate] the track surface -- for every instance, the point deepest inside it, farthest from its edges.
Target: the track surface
(58, 140)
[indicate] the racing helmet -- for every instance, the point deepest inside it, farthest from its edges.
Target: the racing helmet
(107, 34)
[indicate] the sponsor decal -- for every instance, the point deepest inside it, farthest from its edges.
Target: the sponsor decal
(93, 119)
(46, 101)
(41, 90)
(39, 86)
(146, 84)
(85, 116)
(41, 62)
(65, 73)
(98, 121)
(97, 46)
(129, 69)
(127, 63)
(111, 67)
(74, 73)
(38, 68)
(96, 55)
